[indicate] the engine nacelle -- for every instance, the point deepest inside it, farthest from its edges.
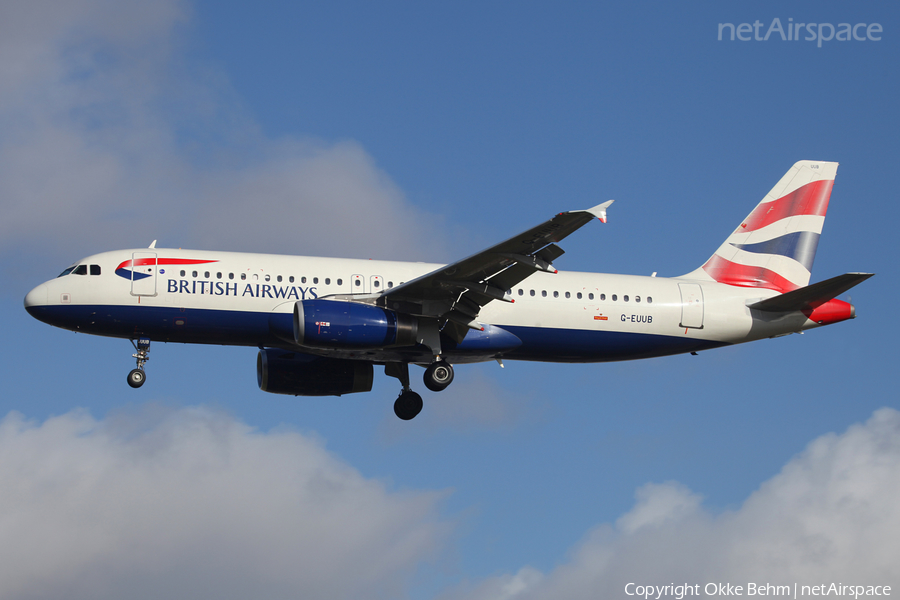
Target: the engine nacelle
(340, 324)
(285, 372)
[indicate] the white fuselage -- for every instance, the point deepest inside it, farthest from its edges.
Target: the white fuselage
(243, 299)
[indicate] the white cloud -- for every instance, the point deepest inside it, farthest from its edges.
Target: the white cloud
(111, 136)
(192, 503)
(831, 515)
(321, 198)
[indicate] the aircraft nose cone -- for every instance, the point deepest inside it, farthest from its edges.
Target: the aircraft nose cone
(35, 298)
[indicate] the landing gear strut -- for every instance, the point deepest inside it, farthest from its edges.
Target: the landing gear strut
(137, 377)
(408, 404)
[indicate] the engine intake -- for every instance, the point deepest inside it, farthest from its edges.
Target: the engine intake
(340, 324)
(284, 372)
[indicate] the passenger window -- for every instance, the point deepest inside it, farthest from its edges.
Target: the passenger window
(278, 279)
(315, 280)
(390, 284)
(95, 269)
(194, 274)
(303, 280)
(625, 298)
(532, 292)
(649, 300)
(291, 279)
(340, 282)
(568, 295)
(578, 295)
(637, 298)
(206, 275)
(544, 293)
(268, 277)
(255, 277)
(615, 297)
(356, 282)
(182, 272)
(243, 276)
(521, 292)
(328, 281)
(603, 296)
(80, 270)
(556, 294)
(231, 276)
(591, 296)
(218, 276)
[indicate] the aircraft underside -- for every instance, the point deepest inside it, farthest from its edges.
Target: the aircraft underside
(260, 330)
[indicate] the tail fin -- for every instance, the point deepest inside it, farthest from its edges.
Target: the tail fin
(774, 247)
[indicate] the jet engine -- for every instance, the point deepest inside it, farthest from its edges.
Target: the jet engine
(285, 372)
(340, 324)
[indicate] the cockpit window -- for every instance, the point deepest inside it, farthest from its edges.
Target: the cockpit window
(67, 271)
(80, 270)
(95, 269)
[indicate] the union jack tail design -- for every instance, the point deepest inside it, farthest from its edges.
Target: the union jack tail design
(774, 247)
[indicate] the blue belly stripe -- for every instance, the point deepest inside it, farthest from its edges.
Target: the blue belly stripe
(259, 329)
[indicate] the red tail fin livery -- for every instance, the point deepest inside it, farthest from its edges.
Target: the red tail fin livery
(774, 247)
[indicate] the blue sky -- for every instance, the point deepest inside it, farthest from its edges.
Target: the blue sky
(426, 132)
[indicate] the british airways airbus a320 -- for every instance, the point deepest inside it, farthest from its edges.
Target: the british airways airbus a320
(321, 324)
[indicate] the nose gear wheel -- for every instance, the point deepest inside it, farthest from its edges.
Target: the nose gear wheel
(137, 377)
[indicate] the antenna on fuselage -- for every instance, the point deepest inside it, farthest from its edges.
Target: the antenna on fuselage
(152, 244)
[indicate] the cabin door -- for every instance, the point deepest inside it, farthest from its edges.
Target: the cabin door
(143, 273)
(691, 305)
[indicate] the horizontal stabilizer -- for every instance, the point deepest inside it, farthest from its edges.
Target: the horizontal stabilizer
(811, 295)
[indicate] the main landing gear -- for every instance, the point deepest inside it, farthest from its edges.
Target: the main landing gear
(438, 376)
(408, 404)
(137, 377)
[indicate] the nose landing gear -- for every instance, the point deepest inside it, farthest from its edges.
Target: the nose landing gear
(137, 377)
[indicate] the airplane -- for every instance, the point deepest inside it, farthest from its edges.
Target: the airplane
(321, 324)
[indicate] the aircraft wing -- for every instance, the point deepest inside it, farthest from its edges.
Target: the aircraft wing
(456, 292)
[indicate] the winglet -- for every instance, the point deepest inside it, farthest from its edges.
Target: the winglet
(599, 211)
